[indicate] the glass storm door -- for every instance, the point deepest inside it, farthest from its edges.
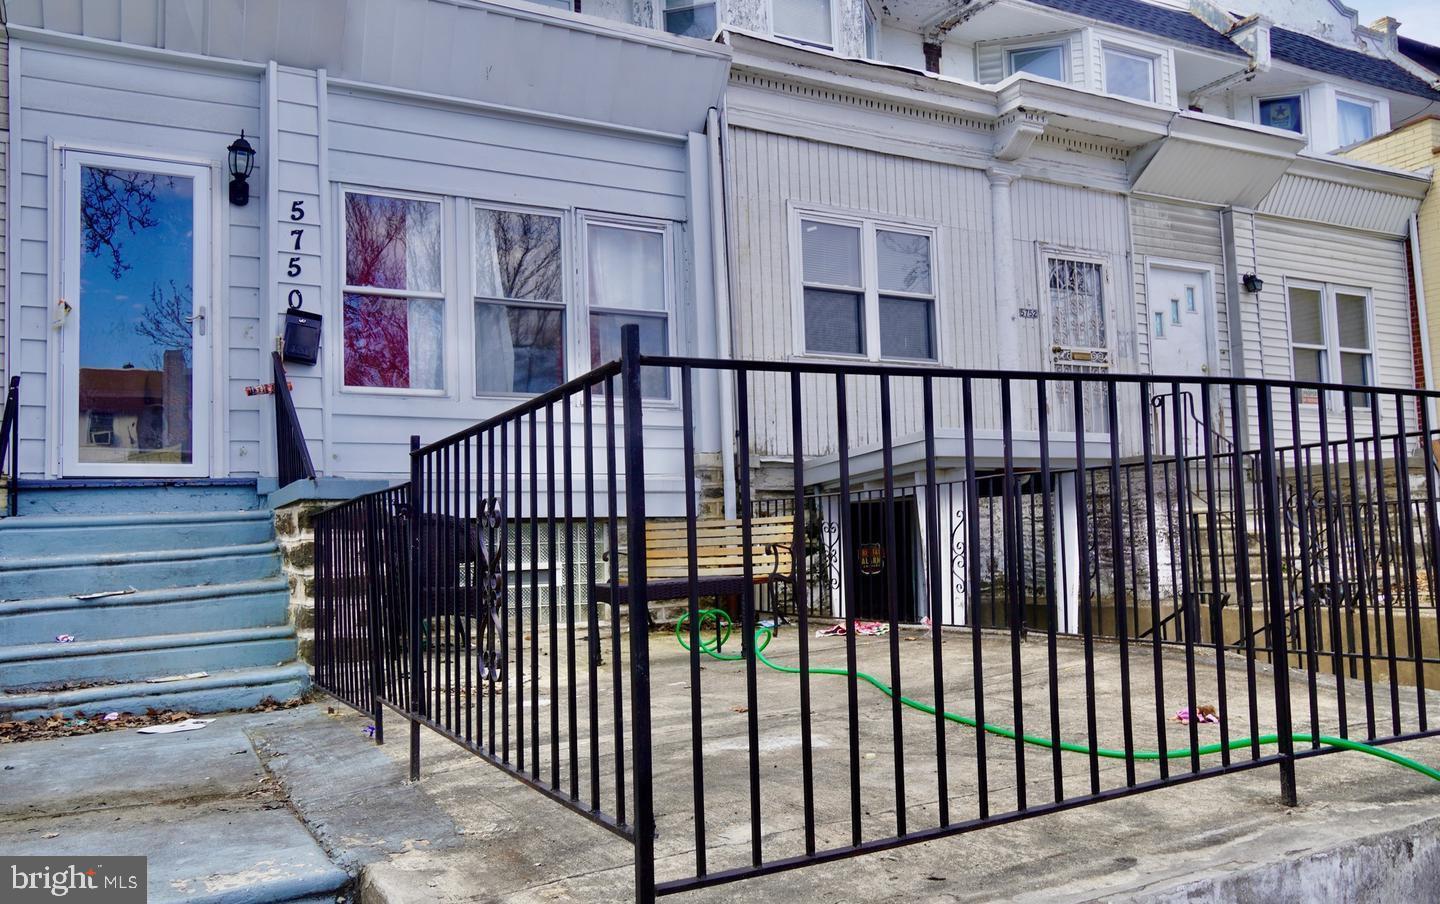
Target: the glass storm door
(135, 339)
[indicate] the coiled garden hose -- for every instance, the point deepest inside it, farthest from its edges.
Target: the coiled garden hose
(764, 634)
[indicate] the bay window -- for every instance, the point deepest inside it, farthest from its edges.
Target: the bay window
(628, 282)
(867, 289)
(519, 302)
(1330, 337)
(394, 296)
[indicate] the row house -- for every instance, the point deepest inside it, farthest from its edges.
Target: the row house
(429, 225)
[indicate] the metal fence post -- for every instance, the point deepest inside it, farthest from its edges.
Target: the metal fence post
(374, 602)
(1275, 589)
(644, 818)
(417, 679)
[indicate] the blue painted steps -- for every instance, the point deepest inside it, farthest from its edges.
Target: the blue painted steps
(190, 582)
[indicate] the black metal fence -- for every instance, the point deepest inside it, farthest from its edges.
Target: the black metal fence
(1038, 597)
(10, 446)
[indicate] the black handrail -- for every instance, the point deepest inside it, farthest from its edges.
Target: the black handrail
(292, 455)
(10, 445)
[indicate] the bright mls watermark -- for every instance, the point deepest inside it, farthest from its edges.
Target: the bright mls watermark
(101, 880)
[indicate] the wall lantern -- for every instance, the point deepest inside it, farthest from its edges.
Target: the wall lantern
(1253, 284)
(242, 163)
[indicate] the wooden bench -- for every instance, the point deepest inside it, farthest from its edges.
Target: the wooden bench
(720, 558)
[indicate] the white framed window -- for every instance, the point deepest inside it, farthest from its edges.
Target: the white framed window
(1285, 111)
(1044, 60)
(628, 279)
(806, 21)
(1331, 340)
(872, 33)
(690, 18)
(393, 302)
(1129, 73)
(1355, 119)
(519, 299)
(867, 289)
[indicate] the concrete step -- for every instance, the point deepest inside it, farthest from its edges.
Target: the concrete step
(217, 692)
(122, 496)
(58, 535)
(156, 655)
(49, 576)
(183, 610)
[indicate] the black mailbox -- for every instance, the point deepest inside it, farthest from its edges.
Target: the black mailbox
(302, 337)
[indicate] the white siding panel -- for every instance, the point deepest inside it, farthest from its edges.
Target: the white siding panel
(1323, 201)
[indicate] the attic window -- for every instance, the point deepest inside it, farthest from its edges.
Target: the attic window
(1047, 61)
(690, 19)
(1357, 120)
(806, 21)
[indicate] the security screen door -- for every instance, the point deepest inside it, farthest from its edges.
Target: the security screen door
(133, 318)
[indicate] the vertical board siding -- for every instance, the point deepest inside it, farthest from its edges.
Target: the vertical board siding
(1184, 234)
(772, 174)
(85, 99)
(4, 194)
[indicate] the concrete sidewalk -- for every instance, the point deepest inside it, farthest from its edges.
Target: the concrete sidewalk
(300, 805)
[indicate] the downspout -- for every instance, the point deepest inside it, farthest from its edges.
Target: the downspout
(714, 125)
(1417, 274)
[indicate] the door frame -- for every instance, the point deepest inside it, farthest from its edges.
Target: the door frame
(208, 439)
(1207, 274)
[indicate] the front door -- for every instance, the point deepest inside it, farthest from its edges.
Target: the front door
(1181, 326)
(135, 338)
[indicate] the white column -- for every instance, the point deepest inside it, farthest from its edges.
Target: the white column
(1007, 341)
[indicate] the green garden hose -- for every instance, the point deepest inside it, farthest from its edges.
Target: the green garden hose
(764, 634)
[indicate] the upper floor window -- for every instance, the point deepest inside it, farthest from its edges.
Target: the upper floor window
(807, 21)
(1356, 120)
(394, 297)
(1047, 61)
(1129, 73)
(872, 33)
(867, 290)
(1330, 337)
(1282, 113)
(690, 18)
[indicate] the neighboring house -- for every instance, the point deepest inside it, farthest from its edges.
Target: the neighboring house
(1416, 146)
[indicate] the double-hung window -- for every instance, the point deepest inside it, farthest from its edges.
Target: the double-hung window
(690, 18)
(1330, 337)
(1046, 61)
(519, 301)
(628, 282)
(806, 21)
(1129, 73)
(867, 289)
(394, 295)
